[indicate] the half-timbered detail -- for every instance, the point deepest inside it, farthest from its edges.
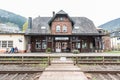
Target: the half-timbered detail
(63, 33)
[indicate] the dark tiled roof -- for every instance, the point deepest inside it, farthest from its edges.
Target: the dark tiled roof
(37, 24)
(61, 12)
(85, 25)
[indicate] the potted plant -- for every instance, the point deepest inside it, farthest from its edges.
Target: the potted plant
(75, 51)
(48, 50)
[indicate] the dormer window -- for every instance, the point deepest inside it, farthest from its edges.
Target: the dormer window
(64, 28)
(58, 28)
(43, 27)
(76, 27)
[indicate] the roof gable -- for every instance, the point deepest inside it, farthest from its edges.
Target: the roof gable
(60, 13)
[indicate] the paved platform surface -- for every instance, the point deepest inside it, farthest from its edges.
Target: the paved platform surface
(62, 71)
(59, 54)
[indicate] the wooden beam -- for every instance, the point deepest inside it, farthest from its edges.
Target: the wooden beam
(2, 78)
(118, 74)
(24, 76)
(102, 77)
(111, 76)
(13, 77)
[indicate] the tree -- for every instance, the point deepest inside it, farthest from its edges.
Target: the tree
(25, 26)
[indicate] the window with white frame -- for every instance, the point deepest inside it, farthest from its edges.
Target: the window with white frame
(0, 44)
(38, 45)
(10, 43)
(58, 28)
(4, 44)
(43, 27)
(64, 28)
(76, 27)
(44, 45)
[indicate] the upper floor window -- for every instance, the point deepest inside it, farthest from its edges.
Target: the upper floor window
(64, 29)
(57, 28)
(61, 18)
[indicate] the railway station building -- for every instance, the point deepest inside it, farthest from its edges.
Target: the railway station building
(63, 33)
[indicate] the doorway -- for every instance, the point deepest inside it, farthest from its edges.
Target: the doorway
(61, 46)
(58, 46)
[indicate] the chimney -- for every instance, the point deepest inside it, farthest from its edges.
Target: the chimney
(30, 22)
(53, 13)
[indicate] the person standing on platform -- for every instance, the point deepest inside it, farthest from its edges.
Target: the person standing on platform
(12, 50)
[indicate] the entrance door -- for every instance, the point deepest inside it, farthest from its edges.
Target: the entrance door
(64, 46)
(58, 46)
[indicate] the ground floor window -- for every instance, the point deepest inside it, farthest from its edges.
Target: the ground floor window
(0, 44)
(78, 45)
(6, 44)
(44, 45)
(10, 43)
(40, 44)
(91, 45)
(84, 44)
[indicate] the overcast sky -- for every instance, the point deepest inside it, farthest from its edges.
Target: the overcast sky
(99, 11)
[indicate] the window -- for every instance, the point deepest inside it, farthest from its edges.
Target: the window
(76, 27)
(61, 18)
(10, 43)
(78, 45)
(43, 27)
(64, 29)
(44, 45)
(0, 44)
(91, 45)
(38, 45)
(118, 38)
(4, 44)
(84, 44)
(57, 28)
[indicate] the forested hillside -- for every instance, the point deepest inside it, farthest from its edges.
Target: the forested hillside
(9, 17)
(112, 25)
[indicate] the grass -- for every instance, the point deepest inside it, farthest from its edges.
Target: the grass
(112, 51)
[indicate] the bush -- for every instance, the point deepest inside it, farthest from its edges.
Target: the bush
(75, 51)
(48, 50)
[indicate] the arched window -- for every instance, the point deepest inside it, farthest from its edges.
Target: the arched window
(64, 28)
(58, 28)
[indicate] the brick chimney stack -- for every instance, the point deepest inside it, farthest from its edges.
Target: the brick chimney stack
(30, 22)
(53, 13)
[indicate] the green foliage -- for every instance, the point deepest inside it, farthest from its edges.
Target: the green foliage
(75, 51)
(6, 17)
(48, 50)
(25, 26)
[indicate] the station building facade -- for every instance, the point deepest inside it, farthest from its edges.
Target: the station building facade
(62, 33)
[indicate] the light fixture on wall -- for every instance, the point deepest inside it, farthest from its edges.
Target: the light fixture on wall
(20, 40)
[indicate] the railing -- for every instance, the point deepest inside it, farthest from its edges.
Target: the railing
(46, 59)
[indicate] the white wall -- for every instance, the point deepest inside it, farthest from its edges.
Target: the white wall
(115, 43)
(16, 40)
